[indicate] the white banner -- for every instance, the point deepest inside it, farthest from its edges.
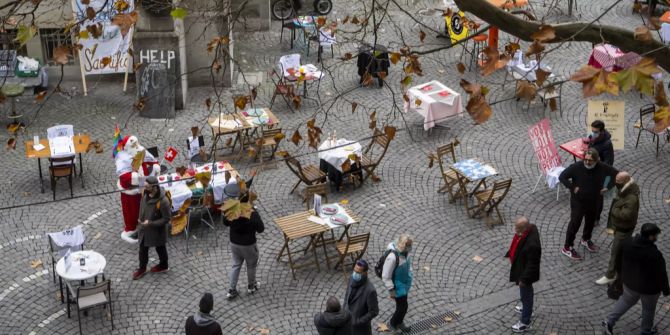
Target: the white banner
(108, 53)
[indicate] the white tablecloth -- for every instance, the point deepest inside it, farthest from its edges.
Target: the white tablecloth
(528, 71)
(336, 157)
(436, 105)
(95, 265)
(180, 191)
(665, 32)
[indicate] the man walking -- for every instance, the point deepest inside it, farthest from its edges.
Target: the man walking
(361, 300)
(203, 323)
(524, 254)
(623, 218)
(587, 181)
(334, 321)
(155, 213)
(644, 278)
(243, 247)
(397, 276)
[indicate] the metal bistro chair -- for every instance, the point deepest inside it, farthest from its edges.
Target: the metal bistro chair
(59, 168)
(647, 112)
(198, 205)
(282, 88)
(87, 297)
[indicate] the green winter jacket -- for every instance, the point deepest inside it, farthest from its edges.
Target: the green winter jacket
(625, 207)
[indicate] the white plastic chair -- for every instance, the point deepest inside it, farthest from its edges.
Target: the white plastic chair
(286, 62)
(552, 179)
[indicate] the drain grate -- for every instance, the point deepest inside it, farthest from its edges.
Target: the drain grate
(433, 322)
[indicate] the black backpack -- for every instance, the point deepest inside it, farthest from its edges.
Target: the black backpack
(379, 268)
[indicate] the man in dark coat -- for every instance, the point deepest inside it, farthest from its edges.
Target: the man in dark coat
(361, 300)
(155, 213)
(588, 181)
(524, 254)
(642, 268)
(334, 321)
(623, 218)
(203, 323)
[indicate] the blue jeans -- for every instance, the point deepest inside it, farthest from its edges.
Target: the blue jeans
(526, 292)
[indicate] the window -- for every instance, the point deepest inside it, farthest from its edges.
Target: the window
(51, 39)
(7, 42)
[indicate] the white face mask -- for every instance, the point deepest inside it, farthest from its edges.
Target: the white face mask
(591, 166)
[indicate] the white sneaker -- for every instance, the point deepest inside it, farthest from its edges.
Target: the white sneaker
(128, 236)
(518, 308)
(604, 280)
(520, 327)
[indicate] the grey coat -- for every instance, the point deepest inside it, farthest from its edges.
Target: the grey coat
(155, 233)
(363, 308)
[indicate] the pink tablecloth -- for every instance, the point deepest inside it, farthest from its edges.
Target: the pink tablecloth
(612, 58)
(437, 102)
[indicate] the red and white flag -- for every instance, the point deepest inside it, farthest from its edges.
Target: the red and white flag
(170, 154)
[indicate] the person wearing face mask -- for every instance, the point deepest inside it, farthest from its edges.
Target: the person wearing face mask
(623, 218)
(361, 300)
(587, 181)
(524, 253)
(642, 268)
(601, 140)
(397, 276)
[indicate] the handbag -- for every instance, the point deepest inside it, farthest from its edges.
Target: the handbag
(615, 289)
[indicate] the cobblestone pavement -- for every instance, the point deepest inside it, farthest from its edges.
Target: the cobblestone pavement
(446, 240)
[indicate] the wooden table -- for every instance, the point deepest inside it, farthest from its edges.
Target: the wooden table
(297, 226)
(241, 131)
(575, 148)
(471, 171)
(81, 143)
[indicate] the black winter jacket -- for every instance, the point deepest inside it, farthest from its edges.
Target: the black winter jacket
(526, 262)
(603, 144)
(333, 323)
(643, 266)
(243, 231)
(589, 181)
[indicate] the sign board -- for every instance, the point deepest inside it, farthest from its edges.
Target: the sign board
(612, 113)
(457, 30)
(543, 145)
(156, 80)
(111, 46)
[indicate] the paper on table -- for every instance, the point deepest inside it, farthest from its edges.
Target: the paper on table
(38, 146)
(316, 219)
(490, 169)
(228, 124)
(61, 145)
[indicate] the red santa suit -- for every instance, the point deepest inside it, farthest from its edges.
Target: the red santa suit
(130, 183)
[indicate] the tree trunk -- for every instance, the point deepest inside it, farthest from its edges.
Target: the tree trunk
(573, 31)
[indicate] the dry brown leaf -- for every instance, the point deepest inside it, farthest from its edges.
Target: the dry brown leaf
(229, 142)
(355, 20)
(241, 102)
(137, 66)
(642, 34)
(60, 55)
(637, 7)
(208, 103)
(390, 132)
(511, 48)
(105, 61)
(121, 5)
(125, 21)
(263, 331)
(660, 96)
(367, 79)
(321, 21)
(479, 109)
(541, 75)
(297, 101)
(544, 34)
(448, 318)
(553, 105)
(296, 138)
(90, 13)
(394, 57)
(40, 96)
(525, 90)
(382, 327)
(36, 263)
(534, 49)
(471, 89)
(418, 102)
(654, 23)
(11, 143)
(375, 178)
(661, 119)
(431, 160)
(422, 35)
(347, 56)
(353, 106)
(345, 20)
(477, 258)
(97, 236)
(426, 268)
(460, 67)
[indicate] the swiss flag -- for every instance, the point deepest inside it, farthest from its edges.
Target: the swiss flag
(170, 154)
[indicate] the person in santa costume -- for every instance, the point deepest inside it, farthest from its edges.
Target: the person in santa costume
(130, 182)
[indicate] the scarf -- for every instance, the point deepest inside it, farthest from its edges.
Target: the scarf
(515, 244)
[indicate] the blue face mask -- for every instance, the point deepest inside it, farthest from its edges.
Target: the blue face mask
(356, 276)
(595, 134)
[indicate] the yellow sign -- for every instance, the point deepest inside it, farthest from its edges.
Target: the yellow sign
(457, 30)
(612, 114)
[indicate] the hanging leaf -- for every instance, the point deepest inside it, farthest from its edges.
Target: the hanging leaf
(347, 56)
(25, 34)
(534, 49)
(40, 96)
(479, 109)
(511, 48)
(229, 142)
(208, 103)
(375, 178)
(661, 119)
(36, 263)
(406, 81)
(606, 83)
(461, 68)
(422, 35)
(390, 132)
(544, 34)
(346, 166)
(638, 76)
(121, 5)
(637, 7)
(431, 160)
(105, 61)
(90, 13)
(471, 89)
(355, 20)
(354, 105)
(491, 56)
(11, 143)
(297, 101)
(254, 93)
(552, 104)
(60, 55)
(83, 34)
(96, 31)
(654, 23)
(241, 102)
(418, 102)
(525, 90)
(179, 13)
(125, 21)
(642, 34)
(541, 75)
(13, 127)
(345, 20)
(394, 57)
(278, 137)
(660, 96)
(296, 138)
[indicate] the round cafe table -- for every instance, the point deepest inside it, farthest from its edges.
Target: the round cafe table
(95, 265)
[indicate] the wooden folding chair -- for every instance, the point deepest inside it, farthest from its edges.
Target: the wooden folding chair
(282, 88)
(448, 175)
(310, 190)
(354, 247)
(269, 140)
(309, 174)
(489, 199)
(370, 160)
